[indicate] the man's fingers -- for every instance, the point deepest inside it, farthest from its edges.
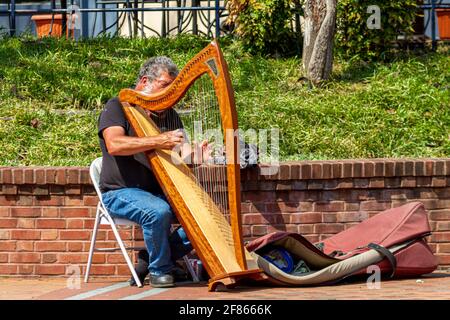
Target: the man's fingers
(178, 135)
(178, 132)
(174, 137)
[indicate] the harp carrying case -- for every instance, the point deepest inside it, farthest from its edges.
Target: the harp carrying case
(393, 240)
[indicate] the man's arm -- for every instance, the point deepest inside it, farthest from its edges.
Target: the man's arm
(119, 144)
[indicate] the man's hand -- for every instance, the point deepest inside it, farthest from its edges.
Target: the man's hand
(169, 139)
(197, 153)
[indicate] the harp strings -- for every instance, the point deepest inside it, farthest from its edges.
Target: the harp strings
(200, 115)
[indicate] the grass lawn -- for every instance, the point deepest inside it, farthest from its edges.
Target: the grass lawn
(51, 92)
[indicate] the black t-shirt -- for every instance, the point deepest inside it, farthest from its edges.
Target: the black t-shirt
(129, 171)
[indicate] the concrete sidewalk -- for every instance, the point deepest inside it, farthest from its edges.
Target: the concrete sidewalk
(429, 287)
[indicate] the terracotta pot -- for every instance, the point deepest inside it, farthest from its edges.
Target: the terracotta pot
(44, 22)
(443, 16)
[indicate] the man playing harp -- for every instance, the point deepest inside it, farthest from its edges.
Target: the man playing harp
(129, 187)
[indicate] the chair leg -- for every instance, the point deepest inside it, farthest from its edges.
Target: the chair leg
(91, 249)
(125, 254)
(191, 270)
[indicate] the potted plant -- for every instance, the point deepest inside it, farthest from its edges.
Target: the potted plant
(443, 16)
(50, 25)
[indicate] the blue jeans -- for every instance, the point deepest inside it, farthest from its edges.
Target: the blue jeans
(154, 215)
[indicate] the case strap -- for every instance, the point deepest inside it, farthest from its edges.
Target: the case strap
(386, 253)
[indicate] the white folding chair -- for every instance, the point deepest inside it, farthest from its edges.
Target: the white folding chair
(102, 217)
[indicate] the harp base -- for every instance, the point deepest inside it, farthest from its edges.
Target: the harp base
(230, 280)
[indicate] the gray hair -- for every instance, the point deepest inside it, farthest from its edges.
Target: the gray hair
(153, 67)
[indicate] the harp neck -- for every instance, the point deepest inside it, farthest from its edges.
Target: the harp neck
(209, 60)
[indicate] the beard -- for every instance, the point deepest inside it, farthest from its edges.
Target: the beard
(148, 89)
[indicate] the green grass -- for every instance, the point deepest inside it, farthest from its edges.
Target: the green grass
(51, 92)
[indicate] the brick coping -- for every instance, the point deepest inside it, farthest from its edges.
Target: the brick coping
(289, 170)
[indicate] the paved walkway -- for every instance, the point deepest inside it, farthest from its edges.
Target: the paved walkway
(433, 286)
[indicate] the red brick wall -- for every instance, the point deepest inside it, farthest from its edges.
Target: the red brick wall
(46, 213)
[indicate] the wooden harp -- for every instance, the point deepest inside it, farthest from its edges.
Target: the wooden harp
(205, 197)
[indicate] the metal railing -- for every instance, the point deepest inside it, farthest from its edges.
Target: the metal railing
(193, 15)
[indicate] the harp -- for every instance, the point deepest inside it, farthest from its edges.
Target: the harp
(204, 195)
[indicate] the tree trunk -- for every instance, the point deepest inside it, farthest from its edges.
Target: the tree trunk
(320, 22)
